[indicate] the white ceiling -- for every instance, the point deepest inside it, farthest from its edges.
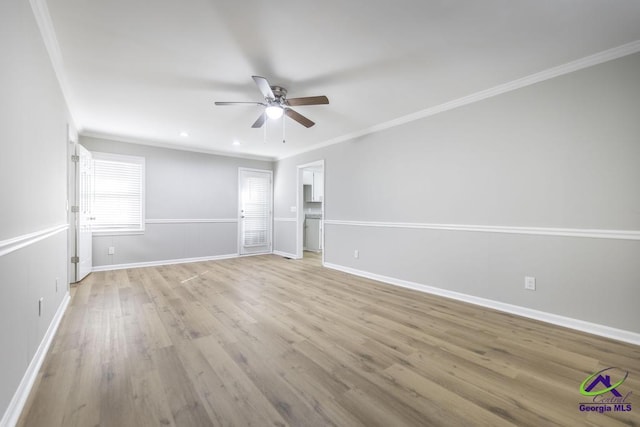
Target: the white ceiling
(147, 70)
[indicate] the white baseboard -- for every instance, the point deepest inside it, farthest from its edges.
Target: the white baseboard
(111, 267)
(285, 254)
(12, 414)
(567, 322)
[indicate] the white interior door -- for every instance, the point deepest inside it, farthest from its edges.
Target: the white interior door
(255, 216)
(84, 216)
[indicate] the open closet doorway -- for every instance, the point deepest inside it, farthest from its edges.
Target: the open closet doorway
(310, 208)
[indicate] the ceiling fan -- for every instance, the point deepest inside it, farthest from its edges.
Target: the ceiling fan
(276, 103)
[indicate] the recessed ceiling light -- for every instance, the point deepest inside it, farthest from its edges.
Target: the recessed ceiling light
(184, 134)
(236, 142)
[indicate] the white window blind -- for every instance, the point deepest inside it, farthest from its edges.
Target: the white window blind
(118, 194)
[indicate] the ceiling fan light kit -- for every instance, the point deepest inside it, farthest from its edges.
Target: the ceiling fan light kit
(276, 104)
(274, 111)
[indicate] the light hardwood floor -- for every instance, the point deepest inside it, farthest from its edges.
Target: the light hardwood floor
(263, 340)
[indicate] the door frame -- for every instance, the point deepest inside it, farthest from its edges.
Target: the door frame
(239, 239)
(300, 205)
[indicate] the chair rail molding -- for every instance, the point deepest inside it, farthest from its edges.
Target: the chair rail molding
(19, 242)
(543, 231)
(190, 220)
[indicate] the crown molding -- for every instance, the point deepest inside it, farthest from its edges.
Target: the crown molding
(171, 146)
(43, 20)
(569, 67)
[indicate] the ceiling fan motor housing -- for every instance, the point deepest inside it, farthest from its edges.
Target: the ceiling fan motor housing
(279, 92)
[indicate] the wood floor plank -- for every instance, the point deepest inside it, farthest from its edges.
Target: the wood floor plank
(116, 394)
(151, 408)
(154, 330)
(279, 392)
(244, 403)
(186, 407)
(54, 382)
(441, 400)
(82, 407)
(268, 341)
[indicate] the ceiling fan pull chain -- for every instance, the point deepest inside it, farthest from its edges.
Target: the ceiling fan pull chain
(264, 134)
(283, 121)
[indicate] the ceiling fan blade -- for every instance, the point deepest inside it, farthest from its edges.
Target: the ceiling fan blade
(258, 123)
(299, 118)
(239, 103)
(309, 100)
(264, 87)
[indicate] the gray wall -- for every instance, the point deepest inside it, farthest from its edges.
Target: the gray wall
(179, 185)
(564, 153)
(284, 237)
(33, 191)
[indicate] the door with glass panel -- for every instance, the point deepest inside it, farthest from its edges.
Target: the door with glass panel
(255, 211)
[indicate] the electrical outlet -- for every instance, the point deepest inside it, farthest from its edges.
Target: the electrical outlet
(530, 283)
(356, 254)
(40, 303)
(112, 250)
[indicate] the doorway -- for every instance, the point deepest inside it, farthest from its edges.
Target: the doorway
(310, 208)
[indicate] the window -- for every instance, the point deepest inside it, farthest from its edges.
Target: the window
(118, 193)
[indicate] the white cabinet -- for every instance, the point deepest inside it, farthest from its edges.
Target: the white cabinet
(317, 190)
(307, 177)
(312, 234)
(316, 181)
